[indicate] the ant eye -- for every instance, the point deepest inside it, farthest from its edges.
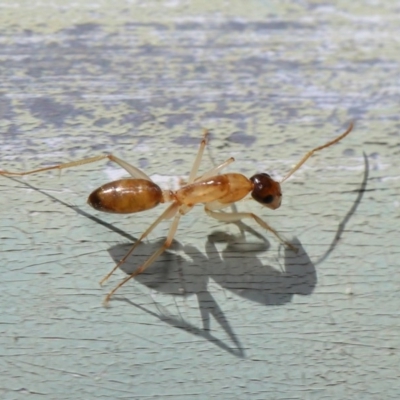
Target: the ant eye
(266, 191)
(268, 199)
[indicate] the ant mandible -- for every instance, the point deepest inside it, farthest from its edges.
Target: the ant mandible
(216, 191)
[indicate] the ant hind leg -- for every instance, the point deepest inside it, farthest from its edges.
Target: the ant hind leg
(151, 259)
(168, 213)
(133, 171)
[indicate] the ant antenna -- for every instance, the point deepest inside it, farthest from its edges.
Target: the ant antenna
(311, 152)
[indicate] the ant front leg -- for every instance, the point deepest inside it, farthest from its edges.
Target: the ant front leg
(238, 216)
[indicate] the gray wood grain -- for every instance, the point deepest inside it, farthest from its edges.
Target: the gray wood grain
(219, 316)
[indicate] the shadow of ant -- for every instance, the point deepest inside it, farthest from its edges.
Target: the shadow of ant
(237, 269)
(245, 276)
(174, 275)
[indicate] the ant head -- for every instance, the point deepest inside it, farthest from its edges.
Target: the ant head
(266, 191)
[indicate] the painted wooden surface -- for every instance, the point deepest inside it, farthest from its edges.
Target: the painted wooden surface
(220, 316)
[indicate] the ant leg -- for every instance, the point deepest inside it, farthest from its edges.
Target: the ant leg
(238, 216)
(59, 167)
(197, 161)
(198, 158)
(135, 172)
(216, 170)
(168, 213)
(311, 152)
(153, 257)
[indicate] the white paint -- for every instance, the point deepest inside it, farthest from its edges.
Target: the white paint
(171, 182)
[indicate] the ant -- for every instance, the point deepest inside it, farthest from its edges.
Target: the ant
(216, 191)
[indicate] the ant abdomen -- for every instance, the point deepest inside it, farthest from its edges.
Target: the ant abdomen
(266, 191)
(126, 196)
